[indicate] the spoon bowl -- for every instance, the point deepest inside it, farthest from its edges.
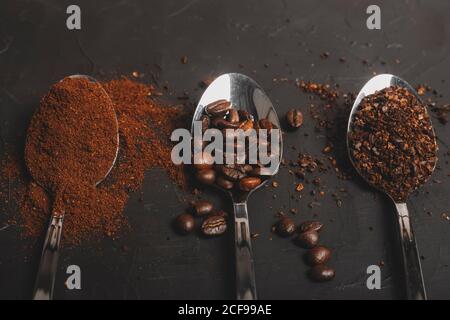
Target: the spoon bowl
(415, 286)
(244, 94)
(375, 84)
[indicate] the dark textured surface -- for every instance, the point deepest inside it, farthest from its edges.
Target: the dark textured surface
(119, 37)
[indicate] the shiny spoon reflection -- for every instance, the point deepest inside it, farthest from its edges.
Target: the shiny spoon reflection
(244, 94)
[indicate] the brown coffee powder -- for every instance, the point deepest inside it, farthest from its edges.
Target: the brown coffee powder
(392, 142)
(72, 140)
(145, 126)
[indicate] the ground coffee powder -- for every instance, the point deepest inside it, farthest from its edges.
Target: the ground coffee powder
(392, 142)
(145, 125)
(72, 140)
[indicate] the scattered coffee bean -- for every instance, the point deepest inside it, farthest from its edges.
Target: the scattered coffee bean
(294, 118)
(206, 176)
(185, 223)
(285, 227)
(249, 183)
(214, 225)
(308, 239)
(311, 226)
(202, 207)
(318, 255)
(322, 273)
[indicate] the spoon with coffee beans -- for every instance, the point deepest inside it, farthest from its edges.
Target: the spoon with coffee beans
(392, 145)
(71, 145)
(237, 109)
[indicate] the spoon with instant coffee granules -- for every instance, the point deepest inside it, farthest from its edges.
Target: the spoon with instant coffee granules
(392, 145)
(71, 145)
(234, 101)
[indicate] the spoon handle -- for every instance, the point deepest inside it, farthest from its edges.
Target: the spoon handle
(45, 279)
(415, 286)
(245, 270)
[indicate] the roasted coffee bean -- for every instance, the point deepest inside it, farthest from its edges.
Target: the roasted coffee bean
(308, 239)
(206, 176)
(205, 122)
(311, 226)
(185, 223)
(249, 183)
(266, 124)
(245, 115)
(218, 108)
(246, 125)
(205, 161)
(214, 225)
(233, 172)
(202, 207)
(285, 227)
(322, 273)
(233, 116)
(224, 183)
(318, 255)
(221, 123)
(294, 118)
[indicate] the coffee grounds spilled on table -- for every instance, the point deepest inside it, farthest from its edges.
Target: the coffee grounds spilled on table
(145, 125)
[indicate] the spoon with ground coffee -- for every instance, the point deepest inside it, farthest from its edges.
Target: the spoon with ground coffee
(72, 143)
(234, 101)
(392, 145)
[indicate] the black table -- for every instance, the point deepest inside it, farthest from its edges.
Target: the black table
(266, 40)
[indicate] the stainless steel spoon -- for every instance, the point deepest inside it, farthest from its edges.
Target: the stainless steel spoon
(244, 94)
(415, 286)
(45, 278)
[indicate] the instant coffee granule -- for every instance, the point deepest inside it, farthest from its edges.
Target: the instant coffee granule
(392, 142)
(145, 126)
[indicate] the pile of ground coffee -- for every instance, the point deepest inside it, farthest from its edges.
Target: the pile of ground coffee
(145, 126)
(72, 140)
(392, 142)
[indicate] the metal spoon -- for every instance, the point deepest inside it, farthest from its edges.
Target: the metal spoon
(415, 286)
(244, 94)
(45, 279)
